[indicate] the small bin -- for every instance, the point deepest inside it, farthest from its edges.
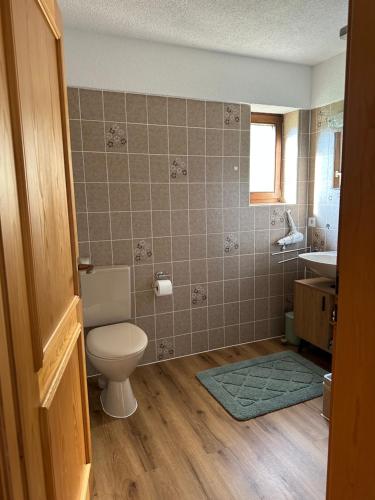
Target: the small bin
(289, 329)
(327, 395)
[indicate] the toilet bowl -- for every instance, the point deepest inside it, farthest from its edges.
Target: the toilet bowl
(115, 350)
(113, 346)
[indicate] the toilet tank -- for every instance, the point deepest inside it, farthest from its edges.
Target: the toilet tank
(106, 295)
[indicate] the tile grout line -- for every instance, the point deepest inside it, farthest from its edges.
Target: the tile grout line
(170, 225)
(254, 242)
(205, 208)
(239, 215)
(106, 169)
(222, 210)
(189, 239)
(84, 175)
(134, 296)
(151, 221)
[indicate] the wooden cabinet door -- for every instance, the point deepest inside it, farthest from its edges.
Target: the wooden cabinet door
(312, 309)
(39, 247)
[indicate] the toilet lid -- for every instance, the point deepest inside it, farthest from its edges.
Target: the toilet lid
(116, 341)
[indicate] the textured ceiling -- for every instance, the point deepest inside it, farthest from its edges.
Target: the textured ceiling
(300, 31)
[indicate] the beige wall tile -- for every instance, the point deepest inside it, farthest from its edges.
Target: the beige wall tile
(99, 226)
(97, 197)
(101, 253)
(158, 139)
(144, 303)
(119, 196)
(147, 323)
(80, 196)
(114, 106)
(140, 196)
(199, 319)
(92, 136)
(160, 199)
(162, 249)
(73, 103)
(232, 335)
(180, 248)
(82, 227)
(183, 345)
(117, 167)
(197, 221)
(199, 341)
(231, 143)
(137, 138)
(75, 135)
(121, 225)
(161, 225)
(122, 252)
(176, 111)
(177, 140)
(78, 169)
(179, 196)
(215, 291)
(181, 273)
(214, 114)
(91, 103)
(196, 141)
(216, 338)
(196, 111)
(141, 224)
(197, 168)
(182, 322)
(159, 168)
(164, 325)
(136, 110)
(216, 316)
(157, 110)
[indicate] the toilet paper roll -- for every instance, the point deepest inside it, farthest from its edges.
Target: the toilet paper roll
(163, 287)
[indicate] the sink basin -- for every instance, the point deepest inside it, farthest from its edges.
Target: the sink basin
(322, 263)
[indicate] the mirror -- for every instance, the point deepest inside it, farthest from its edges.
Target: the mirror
(337, 157)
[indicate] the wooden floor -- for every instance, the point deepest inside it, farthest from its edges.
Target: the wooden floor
(181, 444)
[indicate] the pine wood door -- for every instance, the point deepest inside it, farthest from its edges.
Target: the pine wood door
(351, 458)
(39, 248)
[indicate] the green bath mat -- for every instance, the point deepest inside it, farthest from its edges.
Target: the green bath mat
(258, 386)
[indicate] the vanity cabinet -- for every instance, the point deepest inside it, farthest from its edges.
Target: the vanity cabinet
(314, 302)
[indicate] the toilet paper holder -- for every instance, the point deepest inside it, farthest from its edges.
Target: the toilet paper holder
(160, 275)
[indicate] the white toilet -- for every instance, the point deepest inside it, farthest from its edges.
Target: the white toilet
(116, 348)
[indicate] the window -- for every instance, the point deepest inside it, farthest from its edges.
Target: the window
(265, 158)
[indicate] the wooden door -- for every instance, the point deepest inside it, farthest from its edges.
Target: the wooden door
(39, 248)
(351, 460)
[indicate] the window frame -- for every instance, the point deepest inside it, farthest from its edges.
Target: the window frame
(277, 120)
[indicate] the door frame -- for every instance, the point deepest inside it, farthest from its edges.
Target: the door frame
(351, 458)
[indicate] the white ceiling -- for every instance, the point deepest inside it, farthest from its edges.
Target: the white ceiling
(299, 31)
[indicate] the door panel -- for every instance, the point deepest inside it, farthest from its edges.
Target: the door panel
(47, 216)
(64, 443)
(40, 249)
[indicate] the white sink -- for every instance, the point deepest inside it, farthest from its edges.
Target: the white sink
(322, 263)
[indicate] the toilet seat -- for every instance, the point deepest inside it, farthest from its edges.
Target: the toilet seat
(118, 341)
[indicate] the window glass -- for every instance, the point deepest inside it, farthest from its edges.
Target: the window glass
(262, 157)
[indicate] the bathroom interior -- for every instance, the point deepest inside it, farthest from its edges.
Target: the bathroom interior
(195, 194)
(206, 163)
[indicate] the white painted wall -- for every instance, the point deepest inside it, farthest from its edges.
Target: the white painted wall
(328, 81)
(114, 63)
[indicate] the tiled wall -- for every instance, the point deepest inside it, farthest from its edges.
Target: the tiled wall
(162, 185)
(324, 200)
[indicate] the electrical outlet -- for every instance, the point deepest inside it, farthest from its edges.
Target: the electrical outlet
(311, 222)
